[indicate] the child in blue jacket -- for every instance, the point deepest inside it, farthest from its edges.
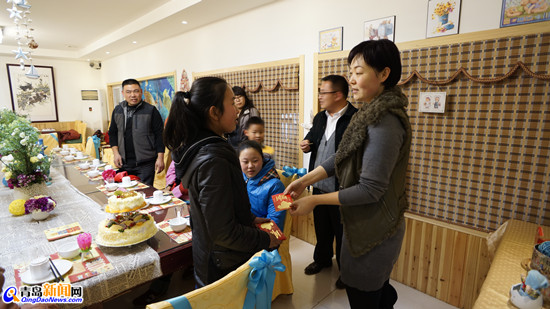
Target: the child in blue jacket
(262, 181)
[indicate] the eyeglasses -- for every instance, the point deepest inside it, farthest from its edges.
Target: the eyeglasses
(326, 92)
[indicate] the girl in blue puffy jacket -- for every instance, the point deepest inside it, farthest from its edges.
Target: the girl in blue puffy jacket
(262, 181)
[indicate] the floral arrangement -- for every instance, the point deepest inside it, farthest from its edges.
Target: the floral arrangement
(443, 8)
(23, 164)
(109, 175)
(39, 203)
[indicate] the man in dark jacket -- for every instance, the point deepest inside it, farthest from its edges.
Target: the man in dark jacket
(322, 141)
(135, 135)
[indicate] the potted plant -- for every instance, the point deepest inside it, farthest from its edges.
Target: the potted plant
(25, 168)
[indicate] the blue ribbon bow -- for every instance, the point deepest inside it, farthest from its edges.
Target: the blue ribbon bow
(290, 171)
(179, 302)
(261, 279)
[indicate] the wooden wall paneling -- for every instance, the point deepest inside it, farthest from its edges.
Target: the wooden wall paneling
(424, 258)
(435, 260)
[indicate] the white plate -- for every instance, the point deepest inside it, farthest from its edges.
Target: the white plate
(62, 265)
(98, 241)
(165, 199)
(133, 183)
(99, 165)
(80, 158)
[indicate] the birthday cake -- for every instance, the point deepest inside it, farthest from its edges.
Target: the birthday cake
(126, 229)
(125, 202)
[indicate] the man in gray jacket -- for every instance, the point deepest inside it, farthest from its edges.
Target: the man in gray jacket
(135, 135)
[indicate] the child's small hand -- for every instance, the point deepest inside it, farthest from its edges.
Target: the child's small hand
(259, 220)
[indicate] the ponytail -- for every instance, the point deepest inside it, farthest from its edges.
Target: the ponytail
(189, 111)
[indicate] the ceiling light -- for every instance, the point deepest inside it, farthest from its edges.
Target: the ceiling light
(134, 42)
(184, 22)
(107, 53)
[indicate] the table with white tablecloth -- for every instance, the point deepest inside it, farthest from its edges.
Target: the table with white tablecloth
(22, 239)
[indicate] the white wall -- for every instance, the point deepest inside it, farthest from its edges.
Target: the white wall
(69, 76)
(281, 30)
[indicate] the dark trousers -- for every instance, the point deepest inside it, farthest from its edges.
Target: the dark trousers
(326, 219)
(383, 298)
(145, 172)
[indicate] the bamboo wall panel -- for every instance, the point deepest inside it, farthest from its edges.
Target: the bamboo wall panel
(275, 93)
(486, 159)
(442, 262)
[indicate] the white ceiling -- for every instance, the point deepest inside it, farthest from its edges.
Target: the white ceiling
(88, 29)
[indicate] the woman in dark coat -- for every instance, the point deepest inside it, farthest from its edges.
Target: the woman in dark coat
(224, 231)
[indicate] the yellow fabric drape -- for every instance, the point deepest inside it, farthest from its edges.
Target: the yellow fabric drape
(228, 292)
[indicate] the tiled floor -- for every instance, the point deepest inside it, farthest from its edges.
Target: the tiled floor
(315, 291)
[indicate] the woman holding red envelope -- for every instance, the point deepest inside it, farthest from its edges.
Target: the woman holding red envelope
(370, 165)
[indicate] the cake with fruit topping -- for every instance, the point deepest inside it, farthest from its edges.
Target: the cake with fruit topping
(125, 201)
(126, 229)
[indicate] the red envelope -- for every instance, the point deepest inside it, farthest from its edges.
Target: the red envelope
(281, 201)
(271, 227)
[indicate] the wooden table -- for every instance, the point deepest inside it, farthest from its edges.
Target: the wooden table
(173, 256)
(78, 201)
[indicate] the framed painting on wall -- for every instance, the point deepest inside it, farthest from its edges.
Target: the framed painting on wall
(517, 12)
(331, 40)
(34, 97)
(382, 28)
(443, 17)
(432, 102)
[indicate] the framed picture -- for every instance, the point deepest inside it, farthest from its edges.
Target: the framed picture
(34, 97)
(382, 28)
(331, 40)
(517, 12)
(432, 102)
(443, 17)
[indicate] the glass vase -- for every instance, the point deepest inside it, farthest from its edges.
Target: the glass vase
(86, 255)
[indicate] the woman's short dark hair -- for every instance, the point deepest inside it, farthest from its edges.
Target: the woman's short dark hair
(380, 54)
(190, 110)
(250, 144)
(247, 102)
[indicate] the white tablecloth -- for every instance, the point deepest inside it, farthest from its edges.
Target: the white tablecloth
(22, 239)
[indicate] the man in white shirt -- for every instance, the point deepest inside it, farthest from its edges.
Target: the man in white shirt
(322, 141)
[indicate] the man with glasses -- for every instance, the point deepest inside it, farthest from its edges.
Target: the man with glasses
(322, 141)
(135, 135)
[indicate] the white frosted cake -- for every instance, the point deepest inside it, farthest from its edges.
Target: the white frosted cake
(126, 229)
(125, 202)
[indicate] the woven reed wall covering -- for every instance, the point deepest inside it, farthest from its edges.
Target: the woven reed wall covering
(275, 92)
(486, 159)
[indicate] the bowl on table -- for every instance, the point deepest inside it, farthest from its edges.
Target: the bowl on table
(111, 186)
(68, 158)
(93, 173)
(178, 224)
(68, 250)
(84, 166)
(64, 152)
